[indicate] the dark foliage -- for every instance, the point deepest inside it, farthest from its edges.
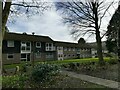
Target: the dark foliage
(44, 72)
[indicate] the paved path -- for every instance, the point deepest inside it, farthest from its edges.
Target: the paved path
(100, 81)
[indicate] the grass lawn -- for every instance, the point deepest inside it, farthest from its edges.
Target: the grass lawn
(85, 60)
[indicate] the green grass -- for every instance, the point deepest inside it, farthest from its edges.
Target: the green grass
(85, 60)
(14, 65)
(11, 66)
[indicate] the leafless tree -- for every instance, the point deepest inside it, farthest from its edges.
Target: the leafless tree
(85, 17)
(14, 8)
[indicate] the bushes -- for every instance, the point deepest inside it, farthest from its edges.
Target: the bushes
(112, 61)
(42, 73)
(86, 67)
(40, 76)
(14, 81)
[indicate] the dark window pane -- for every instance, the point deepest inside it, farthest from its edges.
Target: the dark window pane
(23, 48)
(23, 42)
(23, 59)
(28, 43)
(50, 44)
(10, 56)
(27, 48)
(38, 44)
(23, 55)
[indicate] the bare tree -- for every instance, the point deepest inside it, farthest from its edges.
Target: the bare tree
(85, 18)
(17, 8)
(13, 8)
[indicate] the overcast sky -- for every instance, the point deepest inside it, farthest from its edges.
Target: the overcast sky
(50, 24)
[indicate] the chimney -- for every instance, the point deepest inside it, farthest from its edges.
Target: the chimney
(24, 33)
(33, 33)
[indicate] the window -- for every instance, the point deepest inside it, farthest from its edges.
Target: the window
(59, 55)
(73, 49)
(50, 44)
(23, 57)
(38, 44)
(65, 49)
(58, 48)
(10, 43)
(69, 49)
(50, 47)
(28, 43)
(25, 46)
(38, 55)
(78, 49)
(64, 55)
(10, 56)
(49, 55)
(47, 44)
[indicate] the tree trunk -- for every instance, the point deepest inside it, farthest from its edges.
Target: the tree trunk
(99, 48)
(5, 14)
(98, 38)
(0, 44)
(119, 44)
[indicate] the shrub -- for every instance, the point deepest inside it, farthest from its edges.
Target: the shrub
(65, 65)
(78, 64)
(72, 65)
(43, 72)
(112, 61)
(14, 81)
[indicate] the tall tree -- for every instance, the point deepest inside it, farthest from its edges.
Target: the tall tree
(111, 46)
(113, 32)
(85, 17)
(13, 8)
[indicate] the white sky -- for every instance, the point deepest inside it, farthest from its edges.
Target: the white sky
(50, 24)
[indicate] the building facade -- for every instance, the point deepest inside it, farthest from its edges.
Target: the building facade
(94, 49)
(25, 47)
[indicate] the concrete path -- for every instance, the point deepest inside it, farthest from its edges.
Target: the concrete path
(100, 81)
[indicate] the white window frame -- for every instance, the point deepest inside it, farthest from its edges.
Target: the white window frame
(38, 46)
(10, 43)
(49, 48)
(10, 58)
(25, 45)
(24, 58)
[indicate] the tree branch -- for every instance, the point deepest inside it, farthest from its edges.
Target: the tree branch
(5, 14)
(104, 14)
